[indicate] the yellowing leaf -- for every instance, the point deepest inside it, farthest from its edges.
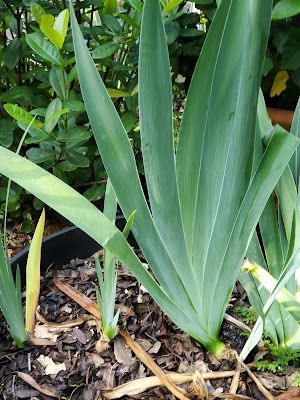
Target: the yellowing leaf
(46, 25)
(61, 23)
(279, 84)
(33, 274)
(55, 28)
(172, 4)
(110, 6)
(117, 93)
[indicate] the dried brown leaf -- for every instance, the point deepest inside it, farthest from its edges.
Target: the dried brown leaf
(292, 394)
(41, 388)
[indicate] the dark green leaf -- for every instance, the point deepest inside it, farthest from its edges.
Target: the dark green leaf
(13, 53)
(43, 48)
(112, 23)
(57, 78)
(191, 32)
(286, 9)
(76, 158)
(105, 50)
(172, 31)
(95, 192)
(6, 132)
(17, 94)
(38, 155)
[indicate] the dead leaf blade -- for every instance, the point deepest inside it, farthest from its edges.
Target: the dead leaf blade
(41, 388)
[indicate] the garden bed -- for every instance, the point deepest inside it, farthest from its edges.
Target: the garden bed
(84, 373)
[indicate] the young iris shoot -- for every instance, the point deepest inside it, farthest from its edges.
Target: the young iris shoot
(10, 288)
(106, 293)
(204, 199)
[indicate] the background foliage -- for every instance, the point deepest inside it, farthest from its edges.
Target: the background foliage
(38, 76)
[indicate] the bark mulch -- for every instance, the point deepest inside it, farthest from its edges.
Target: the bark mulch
(66, 364)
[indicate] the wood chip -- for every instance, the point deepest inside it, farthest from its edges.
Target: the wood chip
(50, 367)
(79, 335)
(155, 348)
(123, 355)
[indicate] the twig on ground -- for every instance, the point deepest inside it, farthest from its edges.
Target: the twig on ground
(236, 322)
(260, 386)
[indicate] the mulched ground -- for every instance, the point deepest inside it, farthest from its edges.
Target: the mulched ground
(83, 373)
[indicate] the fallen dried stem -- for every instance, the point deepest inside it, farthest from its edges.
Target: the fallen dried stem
(61, 325)
(140, 385)
(199, 386)
(236, 322)
(235, 380)
(260, 386)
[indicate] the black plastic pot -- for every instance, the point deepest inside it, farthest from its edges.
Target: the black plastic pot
(60, 247)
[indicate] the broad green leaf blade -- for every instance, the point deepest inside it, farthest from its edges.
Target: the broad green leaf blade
(263, 128)
(258, 295)
(287, 194)
(271, 239)
(295, 130)
(43, 48)
(215, 148)
(214, 154)
(33, 274)
(109, 288)
(119, 162)
(11, 300)
(276, 157)
(10, 292)
(254, 252)
(253, 339)
(285, 9)
(73, 206)
(110, 202)
(156, 119)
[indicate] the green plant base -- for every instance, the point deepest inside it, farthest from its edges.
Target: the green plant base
(216, 347)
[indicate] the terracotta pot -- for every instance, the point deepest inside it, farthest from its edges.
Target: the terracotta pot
(282, 117)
